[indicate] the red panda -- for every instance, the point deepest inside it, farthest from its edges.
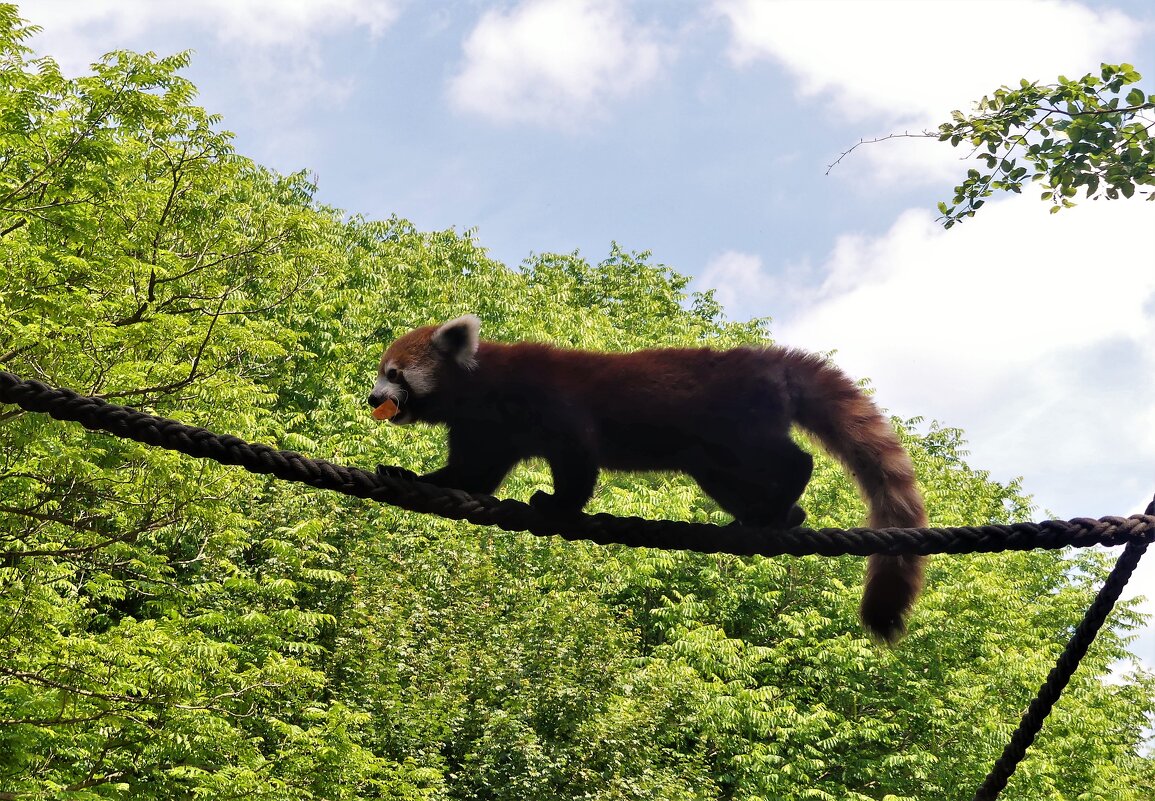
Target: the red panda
(721, 416)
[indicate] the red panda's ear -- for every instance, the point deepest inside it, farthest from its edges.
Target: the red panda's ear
(459, 338)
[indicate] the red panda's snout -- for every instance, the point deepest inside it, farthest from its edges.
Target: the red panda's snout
(393, 398)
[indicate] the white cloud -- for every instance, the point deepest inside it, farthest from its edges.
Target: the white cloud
(917, 61)
(899, 65)
(270, 50)
(554, 62)
(95, 26)
(1033, 332)
(736, 277)
(272, 42)
(745, 288)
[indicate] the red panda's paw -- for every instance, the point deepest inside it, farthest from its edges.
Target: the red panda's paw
(548, 504)
(391, 471)
(795, 516)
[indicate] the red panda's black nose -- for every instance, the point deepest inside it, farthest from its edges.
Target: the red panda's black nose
(375, 400)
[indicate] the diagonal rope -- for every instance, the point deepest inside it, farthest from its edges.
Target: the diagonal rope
(1061, 673)
(602, 529)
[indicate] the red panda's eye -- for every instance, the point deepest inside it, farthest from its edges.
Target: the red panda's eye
(391, 375)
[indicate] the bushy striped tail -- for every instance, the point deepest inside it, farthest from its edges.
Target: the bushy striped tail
(849, 425)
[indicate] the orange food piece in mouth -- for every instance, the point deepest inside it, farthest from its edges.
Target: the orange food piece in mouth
(385, 411)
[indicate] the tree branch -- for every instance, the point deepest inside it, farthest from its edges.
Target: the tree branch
(57, 721)
(118, 698)
(1096, 112)
(94, 781)
(192, 369)
(18, 224)
(12, 354)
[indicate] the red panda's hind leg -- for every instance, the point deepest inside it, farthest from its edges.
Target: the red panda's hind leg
(762, 493)
(575, 473)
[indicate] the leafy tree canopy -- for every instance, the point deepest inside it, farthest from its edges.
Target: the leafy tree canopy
(1083, 134)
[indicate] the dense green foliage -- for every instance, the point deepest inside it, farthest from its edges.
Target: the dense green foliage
(1073, 134)
(175, 629)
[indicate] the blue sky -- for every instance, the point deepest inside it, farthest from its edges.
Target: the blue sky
(702, 131)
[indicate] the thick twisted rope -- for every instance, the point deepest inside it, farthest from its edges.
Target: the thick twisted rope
(1061, 673)
(602, 529)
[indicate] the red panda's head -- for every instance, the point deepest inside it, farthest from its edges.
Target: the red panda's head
(413, 366)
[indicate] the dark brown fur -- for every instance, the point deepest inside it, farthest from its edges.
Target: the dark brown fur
(723, 417)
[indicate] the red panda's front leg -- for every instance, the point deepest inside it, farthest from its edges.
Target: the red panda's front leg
(477, 463)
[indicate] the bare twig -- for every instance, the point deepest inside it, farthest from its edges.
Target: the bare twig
(903, 135)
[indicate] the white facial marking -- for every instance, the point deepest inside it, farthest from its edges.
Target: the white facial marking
(420, 380)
